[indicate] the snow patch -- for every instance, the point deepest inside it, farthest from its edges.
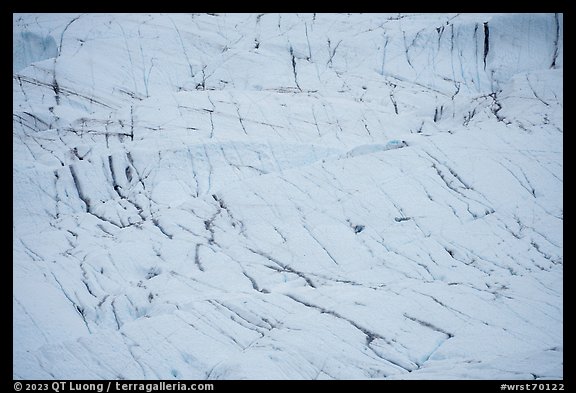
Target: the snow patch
(375, 148)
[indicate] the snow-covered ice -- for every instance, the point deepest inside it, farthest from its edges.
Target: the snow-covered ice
(288, 196)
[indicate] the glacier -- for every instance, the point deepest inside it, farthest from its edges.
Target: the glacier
(287, 196)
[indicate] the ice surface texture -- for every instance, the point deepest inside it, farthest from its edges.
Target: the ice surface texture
(302, 196)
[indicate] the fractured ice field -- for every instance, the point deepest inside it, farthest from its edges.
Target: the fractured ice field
(287, 196)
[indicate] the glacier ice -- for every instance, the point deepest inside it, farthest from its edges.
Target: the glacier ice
(28, 48)
(288, 196)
